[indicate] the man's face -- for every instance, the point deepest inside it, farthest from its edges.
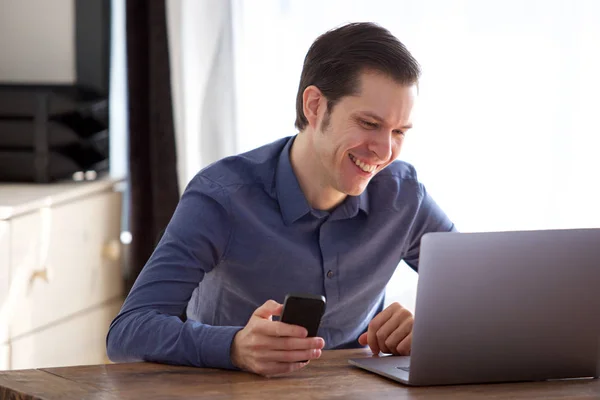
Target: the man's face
(364, 133)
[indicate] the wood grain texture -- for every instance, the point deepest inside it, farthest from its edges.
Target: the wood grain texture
(329, 377)
(40, 385)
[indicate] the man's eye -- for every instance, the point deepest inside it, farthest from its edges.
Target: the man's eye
(370, 125)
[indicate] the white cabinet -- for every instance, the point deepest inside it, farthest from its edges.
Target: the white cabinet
(78, 340)
(60, 272)
(4, 284)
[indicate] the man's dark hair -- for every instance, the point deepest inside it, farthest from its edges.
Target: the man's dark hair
(336, 59)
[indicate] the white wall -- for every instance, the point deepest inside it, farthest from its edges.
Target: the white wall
(37, 41)
(506, 127)
(201, 57)
(119, 118)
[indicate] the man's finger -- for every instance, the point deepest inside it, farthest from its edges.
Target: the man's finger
(292, 343)
(362, 339)
(398, 318)
(268, 309)
(398, 335)
(386, 330)
(376, 323)
(372, 340)
(290, 356)
(404, 348)
(387, 343)
(280, 329)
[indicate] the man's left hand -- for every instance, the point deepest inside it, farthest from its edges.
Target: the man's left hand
(390, 331)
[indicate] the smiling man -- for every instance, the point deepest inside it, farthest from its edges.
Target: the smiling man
(328, 211)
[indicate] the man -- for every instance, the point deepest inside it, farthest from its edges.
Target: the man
(328, 211)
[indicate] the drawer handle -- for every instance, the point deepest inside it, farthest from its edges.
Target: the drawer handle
(46, 223)
(112, 250)
(43, 274)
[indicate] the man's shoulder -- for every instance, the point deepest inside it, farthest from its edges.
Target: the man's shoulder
(396, 186)
(397, 170)
(256, 166)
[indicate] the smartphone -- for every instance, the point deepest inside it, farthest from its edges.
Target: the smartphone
(305, 310)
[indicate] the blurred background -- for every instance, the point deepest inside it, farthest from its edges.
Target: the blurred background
(109, 107)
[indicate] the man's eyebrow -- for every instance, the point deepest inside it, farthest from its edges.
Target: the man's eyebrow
(381, 120)
(372, 115)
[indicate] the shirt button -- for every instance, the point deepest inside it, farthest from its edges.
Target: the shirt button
(330, 274)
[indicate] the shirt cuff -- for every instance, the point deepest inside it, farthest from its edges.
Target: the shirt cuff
(215, 351)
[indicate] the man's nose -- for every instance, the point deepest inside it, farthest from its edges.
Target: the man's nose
(381, 145)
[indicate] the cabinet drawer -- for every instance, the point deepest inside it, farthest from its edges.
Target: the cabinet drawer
(4, 357)
(80, 340)
(66, 245)
(4, 281)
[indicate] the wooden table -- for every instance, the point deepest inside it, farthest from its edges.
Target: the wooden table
(329, 377)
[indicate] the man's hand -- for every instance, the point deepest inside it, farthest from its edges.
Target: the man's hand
(269, 348)
(390, 331)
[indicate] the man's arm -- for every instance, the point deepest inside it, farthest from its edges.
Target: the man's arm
(428, 218)
(148, 326)
(391, 330)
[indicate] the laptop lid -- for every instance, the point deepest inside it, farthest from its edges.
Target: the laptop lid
(506, 306)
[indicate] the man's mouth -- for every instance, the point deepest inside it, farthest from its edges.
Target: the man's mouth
(362, 165)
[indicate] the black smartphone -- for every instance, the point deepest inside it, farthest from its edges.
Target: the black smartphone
(305, 310)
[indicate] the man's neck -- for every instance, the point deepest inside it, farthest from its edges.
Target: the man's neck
(313, 184)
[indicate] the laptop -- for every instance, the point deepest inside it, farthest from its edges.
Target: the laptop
(502, 307)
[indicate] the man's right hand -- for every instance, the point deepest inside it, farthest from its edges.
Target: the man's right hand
(270, 348)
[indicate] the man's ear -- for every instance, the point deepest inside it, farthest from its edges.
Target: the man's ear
(312, 102)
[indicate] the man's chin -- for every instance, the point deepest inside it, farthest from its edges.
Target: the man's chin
(356, 191)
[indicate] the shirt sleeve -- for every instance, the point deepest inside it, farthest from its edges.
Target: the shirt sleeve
(149, 327)
(429, 218)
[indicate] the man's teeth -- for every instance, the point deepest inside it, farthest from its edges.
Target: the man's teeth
(363, 166)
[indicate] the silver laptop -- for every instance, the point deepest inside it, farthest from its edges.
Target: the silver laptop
(502, 307)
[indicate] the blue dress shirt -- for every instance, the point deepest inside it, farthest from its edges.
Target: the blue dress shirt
(243, 233)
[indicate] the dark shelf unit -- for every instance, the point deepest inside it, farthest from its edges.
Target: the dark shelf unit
(48, 133)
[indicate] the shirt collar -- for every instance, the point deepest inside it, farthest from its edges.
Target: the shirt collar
(293, 203)
(351, 206)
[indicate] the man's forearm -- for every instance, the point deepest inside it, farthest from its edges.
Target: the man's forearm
(151, 336)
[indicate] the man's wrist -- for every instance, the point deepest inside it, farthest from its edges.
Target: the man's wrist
(234, 353)
(214, 346)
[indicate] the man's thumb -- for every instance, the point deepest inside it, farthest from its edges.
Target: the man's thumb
(267, 310)
(362, 339)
